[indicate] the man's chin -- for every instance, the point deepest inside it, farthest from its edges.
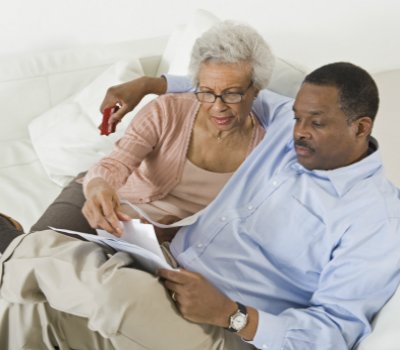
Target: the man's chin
(306, 162)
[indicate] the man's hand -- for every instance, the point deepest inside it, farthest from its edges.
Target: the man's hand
(127, 95)
(197, 299)
(102, 207)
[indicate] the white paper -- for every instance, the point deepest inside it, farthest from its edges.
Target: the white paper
(184, 222)
(145, 248)
(139, 234)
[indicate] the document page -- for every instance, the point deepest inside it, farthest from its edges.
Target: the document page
(138, 239)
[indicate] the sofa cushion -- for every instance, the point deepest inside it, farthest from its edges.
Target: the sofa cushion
(25, 187)
(31, 84)
(66, 138)
(385, 327)
(387, 122)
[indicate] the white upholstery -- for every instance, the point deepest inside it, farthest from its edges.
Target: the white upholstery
(30, 86)
(66, 138)
(387, 123)
(57, 95)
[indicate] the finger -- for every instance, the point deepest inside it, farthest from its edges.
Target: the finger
(92, 213)
(105, 225)
(111, 220)
(122, 216)
(87, 213)
(174, 276)
(117, 116)
(110, 100)
(173, 287)
(95, 218)
(109, 214)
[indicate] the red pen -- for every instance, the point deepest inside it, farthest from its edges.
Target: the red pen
(104, 130)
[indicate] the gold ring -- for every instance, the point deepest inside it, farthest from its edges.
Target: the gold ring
(173, 296)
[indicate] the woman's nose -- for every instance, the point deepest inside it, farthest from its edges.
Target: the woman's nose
(219, 105)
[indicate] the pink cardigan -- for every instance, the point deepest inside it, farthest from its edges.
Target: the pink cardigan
(147, 162)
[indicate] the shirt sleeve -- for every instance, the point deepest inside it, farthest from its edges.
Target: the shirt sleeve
(178, 83)
(140, 138)
(354, 285)
(270, 106)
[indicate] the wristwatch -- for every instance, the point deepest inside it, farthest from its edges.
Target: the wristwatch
(238, 320)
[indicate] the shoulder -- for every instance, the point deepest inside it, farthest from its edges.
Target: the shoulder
(272, 107)
(374, 199)
(169, 107)
(178, 106)
(177, 99)
(387, 195)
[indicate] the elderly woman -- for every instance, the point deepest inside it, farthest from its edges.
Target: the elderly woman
(180, 149)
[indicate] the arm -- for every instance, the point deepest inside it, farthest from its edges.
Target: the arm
(129, 94)
(360, 276)
(102, 181)
(354, 284)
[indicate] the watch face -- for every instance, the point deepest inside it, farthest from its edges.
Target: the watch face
(239, 321)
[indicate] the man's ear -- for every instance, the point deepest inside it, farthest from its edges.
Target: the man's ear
(363, 126)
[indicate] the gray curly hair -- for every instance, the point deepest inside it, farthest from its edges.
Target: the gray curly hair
(233, 42)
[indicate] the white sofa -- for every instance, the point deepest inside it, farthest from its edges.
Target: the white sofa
(50, 102)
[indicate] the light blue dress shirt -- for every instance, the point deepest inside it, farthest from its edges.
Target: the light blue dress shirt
(317, 253)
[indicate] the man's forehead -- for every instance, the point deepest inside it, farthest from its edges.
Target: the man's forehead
(316, 99)
(312, 112)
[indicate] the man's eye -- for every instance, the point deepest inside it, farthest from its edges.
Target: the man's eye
(317, 124)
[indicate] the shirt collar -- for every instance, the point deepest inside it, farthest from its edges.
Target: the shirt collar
(343, 179)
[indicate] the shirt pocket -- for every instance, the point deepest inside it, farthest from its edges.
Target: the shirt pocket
(289, 232)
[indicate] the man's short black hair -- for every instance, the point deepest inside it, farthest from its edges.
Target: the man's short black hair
(358, 93)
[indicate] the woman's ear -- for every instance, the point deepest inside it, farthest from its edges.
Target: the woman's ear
(256, 94)
(364, 126)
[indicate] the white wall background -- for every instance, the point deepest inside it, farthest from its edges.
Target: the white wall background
(309, 32)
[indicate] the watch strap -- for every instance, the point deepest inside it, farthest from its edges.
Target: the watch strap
(241, 308)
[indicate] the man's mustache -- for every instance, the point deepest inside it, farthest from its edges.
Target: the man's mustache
(303, 143)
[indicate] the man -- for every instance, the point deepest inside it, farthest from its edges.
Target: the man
(299, 251)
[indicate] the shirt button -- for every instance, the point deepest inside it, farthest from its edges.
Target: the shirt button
(274, 183)
(223, 218)
(250, 207)
(200, 245)
(265, 346)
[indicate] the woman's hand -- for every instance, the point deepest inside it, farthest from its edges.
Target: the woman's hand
(102, 207)
(127, 95)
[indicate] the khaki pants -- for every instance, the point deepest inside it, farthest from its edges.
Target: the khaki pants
(60, 291)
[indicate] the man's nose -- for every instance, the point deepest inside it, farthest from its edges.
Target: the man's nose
(301, 131)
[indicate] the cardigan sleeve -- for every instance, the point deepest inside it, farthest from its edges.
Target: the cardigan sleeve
(139, 140)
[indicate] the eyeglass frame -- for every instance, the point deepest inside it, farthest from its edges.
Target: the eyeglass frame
(241, 94)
